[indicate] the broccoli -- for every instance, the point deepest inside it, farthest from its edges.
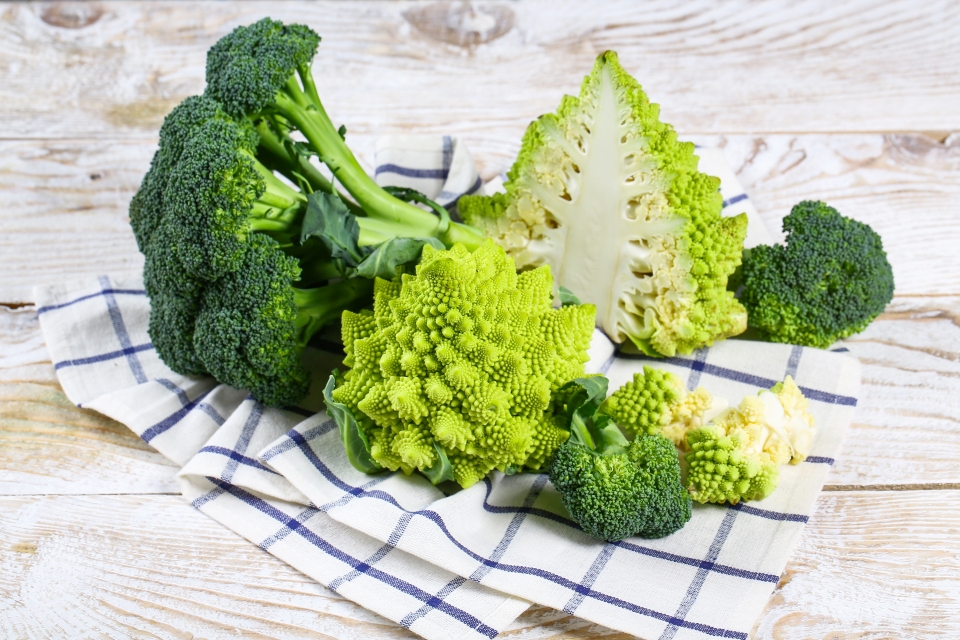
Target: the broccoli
(613, 488)
(737, 457)
(830, 280)
(262, 71)
(252, 323)
(604, 193)
(655, 402)
(455, 367)
(243, 267)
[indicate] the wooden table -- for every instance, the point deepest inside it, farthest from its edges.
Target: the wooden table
(850, 102)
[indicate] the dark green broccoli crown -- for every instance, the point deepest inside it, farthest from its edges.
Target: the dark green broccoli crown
(246, 68)
(245, 330)
(174, 304)
(211, 192)
(146, 208)
(830, 280)
(612, 497)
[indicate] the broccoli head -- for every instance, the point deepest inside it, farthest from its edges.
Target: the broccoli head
(219, 194)
(456, 365)
(263, 71)
(604, 193)
(252, 323)
(613, 488)
(829, 281)
(656, 401)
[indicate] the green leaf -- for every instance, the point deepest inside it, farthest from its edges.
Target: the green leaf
(607, 435)
(412, 195)
(343, 132)
(329, 219)
(354, 440)
(567, 298)
(441, 470)
(581, 400)
(393, 253)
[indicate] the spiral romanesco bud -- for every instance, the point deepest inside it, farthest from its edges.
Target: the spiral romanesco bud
(462, 359)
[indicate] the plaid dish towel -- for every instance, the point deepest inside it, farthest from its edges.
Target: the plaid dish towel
(463, 566)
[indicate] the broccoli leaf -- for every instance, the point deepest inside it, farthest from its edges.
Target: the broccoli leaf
(441, 470)
(567, 297)
(393, 253)
(583, 397)
(329, 219)
(354, 440)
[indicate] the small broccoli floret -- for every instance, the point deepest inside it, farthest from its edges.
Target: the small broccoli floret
(219, 194)
(253, 324)
(147, 207)
(263, 70)
(829, 281)
(604, 193)
(459, 363)
(612, 488)
(738, 456)
(655, 402)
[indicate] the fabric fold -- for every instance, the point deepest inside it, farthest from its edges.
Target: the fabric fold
(464, 565)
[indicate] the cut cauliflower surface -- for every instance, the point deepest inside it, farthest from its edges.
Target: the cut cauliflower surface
(604, 193)
(460, 362)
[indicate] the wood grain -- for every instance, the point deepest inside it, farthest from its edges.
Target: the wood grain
(872, 565)
(152, 566)
(155, 567)
(71, 198)
(48, 445)
(113, 69)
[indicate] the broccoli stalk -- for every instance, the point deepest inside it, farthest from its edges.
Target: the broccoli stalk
(613, 488)
(264, 69)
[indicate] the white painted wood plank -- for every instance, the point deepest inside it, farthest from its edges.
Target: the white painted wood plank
(114, 68)
(154, 567)
(48, 445)
(879, 564)
(65, 202)
(870, 565)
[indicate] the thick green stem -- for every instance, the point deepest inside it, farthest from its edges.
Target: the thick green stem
(306, 112)
(322, 305)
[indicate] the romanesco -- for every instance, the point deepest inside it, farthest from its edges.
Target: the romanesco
(737, 457)
(458, 363)
(655, 401)
(604, 193)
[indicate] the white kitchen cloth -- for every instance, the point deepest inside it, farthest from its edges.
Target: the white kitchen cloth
(445, 566)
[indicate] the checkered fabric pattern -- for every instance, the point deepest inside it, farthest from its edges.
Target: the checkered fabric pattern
(465, 565)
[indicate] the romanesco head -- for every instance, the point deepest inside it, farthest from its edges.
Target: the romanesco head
(721, 468)
(464, 357)
(603, 192)
(655, 401)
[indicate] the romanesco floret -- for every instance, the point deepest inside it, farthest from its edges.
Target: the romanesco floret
(459, 362)
(604, 193)
(738, 456)
(655, 401)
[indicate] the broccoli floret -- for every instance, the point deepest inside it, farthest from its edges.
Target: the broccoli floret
(655, 402)
(738, 456)
(219, 193)
(613, 488)
(456, 365)
(604, 193)
(829, 281)
(263, 70)
(252, 323)
(147, 206)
